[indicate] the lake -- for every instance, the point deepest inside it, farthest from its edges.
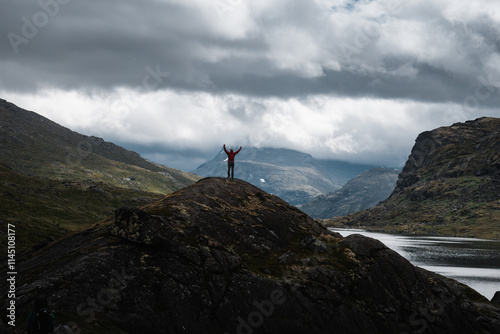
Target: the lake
(475, 262)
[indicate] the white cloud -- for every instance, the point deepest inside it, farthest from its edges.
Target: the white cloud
(363, 130)
(356, 80)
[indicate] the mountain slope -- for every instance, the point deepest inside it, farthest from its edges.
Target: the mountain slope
(35, 146)
(54, 181)
(294, 176)
(43, 209)
(219, 257)
(362, 192)
(450, 185)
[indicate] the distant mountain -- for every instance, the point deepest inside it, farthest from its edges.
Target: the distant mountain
(54, 180)
(362, 192)
(450, 185)
(294, 176)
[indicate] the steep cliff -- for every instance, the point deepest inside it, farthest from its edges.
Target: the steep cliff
(220, 257)
(450, 185)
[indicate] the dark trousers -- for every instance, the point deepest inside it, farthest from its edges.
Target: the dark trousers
(230, 169)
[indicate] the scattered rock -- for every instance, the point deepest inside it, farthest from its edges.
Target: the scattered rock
(313, 244)
(288, 258)
(136, 225)
(61, 329)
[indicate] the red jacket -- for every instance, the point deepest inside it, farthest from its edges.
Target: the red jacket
(231, 154)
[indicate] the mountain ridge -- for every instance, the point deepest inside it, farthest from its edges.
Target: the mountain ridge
(30, 139)
(55, 180)
(362, 192)
(450, 185)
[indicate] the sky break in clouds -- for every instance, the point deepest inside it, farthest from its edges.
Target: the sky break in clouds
(174, 80)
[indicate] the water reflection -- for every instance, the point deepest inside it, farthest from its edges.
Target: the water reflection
(475, 262)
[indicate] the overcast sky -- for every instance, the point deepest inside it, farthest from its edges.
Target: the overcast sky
(176, 79)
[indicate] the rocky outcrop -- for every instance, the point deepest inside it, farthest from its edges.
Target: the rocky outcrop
(463, 149)
(450, 185)
(226, 257)
(362, 192)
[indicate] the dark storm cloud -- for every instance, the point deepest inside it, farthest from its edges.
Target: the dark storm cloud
(98, 44)
(108, 44)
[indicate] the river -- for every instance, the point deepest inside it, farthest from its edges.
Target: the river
(474, 262)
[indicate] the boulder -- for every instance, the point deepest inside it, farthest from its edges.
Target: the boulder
(226, 257)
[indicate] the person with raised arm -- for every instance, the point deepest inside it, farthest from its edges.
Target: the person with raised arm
(230, 161)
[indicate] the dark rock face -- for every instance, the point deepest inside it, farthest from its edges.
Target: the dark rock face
(136, 225)
(362, 192)
(470, 148)
(496, 298)
(220, 257)
(450, 185)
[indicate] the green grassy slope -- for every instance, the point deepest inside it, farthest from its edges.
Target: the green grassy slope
(54, 181)
(35, 146)
(463, 207)
(44, 209)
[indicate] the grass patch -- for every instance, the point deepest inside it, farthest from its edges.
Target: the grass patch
(465, 206)
(42, 208)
